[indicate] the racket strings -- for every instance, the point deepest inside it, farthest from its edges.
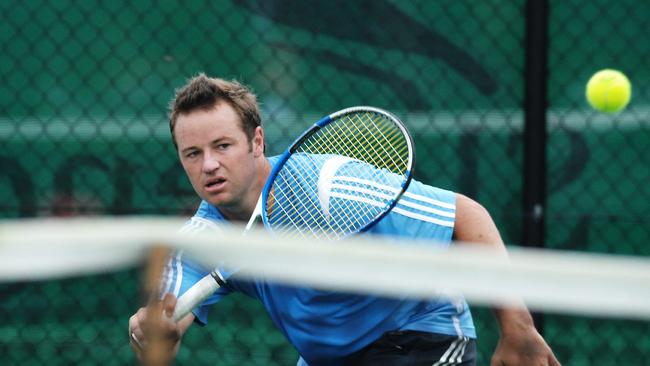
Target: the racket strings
(347, 133)
(373, 195)
(372, 156)
(298, 215)
(383, 137)
(295, 200)
(360, 190)
(338, 136)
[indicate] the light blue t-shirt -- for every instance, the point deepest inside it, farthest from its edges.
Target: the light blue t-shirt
(326, 326)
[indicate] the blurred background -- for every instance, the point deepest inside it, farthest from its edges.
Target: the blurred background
(83, 129)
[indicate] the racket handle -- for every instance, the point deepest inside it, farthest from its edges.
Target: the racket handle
(195, 296)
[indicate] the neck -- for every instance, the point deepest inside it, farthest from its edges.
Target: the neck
(263, 174)
(248, 207)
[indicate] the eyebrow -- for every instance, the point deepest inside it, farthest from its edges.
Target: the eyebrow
(213, 142)
(189, 148)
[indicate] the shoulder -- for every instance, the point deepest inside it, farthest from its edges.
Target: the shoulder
(438, 196)
(470, 210)
(423, 212)
(206, 217)
(473, 222)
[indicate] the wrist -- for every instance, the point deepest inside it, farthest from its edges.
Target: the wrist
(514, 321)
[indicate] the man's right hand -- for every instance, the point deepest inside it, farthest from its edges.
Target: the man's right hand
(168, 330)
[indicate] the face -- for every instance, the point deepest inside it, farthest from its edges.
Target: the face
(221, 163)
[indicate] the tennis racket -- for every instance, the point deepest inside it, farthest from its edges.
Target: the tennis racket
(339, 178)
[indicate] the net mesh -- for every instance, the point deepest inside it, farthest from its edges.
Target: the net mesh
(559, 283)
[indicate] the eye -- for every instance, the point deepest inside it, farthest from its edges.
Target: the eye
(223, 146)
(191, 154)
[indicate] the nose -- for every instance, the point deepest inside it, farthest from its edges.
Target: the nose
(210, 163)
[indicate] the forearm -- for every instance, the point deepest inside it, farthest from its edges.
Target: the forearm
(520, 344)
(513, 320)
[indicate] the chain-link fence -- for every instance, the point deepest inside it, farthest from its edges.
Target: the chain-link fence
(85, 86)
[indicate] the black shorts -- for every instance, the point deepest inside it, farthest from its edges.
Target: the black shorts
(412, 348)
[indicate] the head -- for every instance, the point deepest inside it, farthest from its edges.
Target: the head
(203, 93)
(215, 126)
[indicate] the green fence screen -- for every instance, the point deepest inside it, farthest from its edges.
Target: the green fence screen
(83, 130)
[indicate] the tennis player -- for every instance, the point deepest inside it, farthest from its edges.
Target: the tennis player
(216, 128)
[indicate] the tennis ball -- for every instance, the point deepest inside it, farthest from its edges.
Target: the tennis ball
(608, 91)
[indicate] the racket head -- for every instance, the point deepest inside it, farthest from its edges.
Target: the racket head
(341, 176)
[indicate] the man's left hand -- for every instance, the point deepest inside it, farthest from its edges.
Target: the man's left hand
(524, 348)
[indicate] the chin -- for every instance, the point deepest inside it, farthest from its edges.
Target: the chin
(214, 201)
(220, 201)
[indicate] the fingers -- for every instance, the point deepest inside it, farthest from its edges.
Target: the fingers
(169, 304)
(142, 326)
(136, 331)
(524, 361)
(136, 342)
(553, 361)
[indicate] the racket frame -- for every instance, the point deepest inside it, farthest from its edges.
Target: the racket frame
(268, 186)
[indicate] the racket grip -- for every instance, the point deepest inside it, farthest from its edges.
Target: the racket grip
(195, 296)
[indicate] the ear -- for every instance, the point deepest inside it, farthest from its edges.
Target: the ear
(258, 142)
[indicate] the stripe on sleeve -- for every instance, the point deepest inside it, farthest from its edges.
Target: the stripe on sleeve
(167, 276)
(417, 206)
(179, 273)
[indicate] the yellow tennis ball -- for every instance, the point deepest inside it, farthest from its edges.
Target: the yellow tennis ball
(608, 91)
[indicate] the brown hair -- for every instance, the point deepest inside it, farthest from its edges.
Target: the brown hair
(204, 93)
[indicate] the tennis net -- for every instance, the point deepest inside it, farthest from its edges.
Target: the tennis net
(70, 285)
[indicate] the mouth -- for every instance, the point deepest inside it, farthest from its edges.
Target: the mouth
(215, 184)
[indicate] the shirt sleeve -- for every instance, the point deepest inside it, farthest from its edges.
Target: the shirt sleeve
(181, 272)
(423, 212)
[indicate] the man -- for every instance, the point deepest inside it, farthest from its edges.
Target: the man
(216, 128)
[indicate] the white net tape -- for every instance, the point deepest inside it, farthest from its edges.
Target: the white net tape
(566, 282)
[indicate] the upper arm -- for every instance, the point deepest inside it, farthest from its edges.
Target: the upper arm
(474, 223)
